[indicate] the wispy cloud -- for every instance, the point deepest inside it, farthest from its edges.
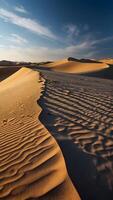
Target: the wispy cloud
(17, 39)
(76, 33)
(26, 23)
(72, 30)
(20, 9)
(38, 53)
(102, 40)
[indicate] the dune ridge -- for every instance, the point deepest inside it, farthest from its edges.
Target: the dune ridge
(107, 61)
(76, 66)
(31, 163)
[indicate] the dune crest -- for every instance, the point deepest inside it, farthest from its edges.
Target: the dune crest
(76, 66)
(107, 61)
(31, 163)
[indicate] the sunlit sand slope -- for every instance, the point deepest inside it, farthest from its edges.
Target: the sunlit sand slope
(31, 163)
(76, 66)
(107, 61)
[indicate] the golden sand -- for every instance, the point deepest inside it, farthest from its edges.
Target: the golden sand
(76, 66)
(31, 162)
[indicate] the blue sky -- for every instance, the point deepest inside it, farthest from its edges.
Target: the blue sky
(41, 30)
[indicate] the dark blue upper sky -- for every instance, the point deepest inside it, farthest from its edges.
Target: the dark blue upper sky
(38, 30)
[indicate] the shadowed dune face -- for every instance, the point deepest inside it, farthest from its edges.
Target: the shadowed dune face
(78, 111)
(31, 163)
(105, 73)
(76, 66)
(7, 71)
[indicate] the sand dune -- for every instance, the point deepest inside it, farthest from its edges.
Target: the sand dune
(79, 113)
(77, 66)
(31, 163)
(107, 61)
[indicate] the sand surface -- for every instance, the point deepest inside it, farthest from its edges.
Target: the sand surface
(76, 66)
(107, 61)
(78, 111)
(31, 162)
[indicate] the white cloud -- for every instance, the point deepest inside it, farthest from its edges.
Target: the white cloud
(37, 54)
(20, 9)
(102, 40)
(26, 23)
(17, 39)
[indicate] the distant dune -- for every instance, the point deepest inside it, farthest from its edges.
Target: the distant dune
(31, 162)
(107, 61)
(77, 66)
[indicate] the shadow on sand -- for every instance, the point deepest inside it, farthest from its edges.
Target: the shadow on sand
(105, 73)
(91, 183)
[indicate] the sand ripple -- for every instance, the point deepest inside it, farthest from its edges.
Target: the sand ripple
(31, 163)
(80, 109)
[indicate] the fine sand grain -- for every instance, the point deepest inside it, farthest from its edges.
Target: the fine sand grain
(31, 162)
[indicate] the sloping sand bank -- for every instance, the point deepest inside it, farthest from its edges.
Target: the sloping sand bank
(31, 163)
(76, 66)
